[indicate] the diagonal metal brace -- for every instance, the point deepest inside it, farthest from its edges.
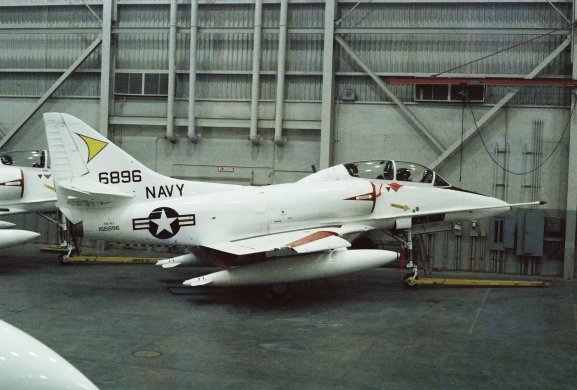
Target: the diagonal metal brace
(404, 110)
(52, 89)
(497, 107)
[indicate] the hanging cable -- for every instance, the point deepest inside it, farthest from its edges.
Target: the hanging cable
(504, 50)
(544, 161)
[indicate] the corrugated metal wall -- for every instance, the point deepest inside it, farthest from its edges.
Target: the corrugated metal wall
(404, 38)
(456, 33)
(38, 43)
(453, 15)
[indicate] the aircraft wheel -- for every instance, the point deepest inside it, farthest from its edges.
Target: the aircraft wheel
(408, 281)
(63, 259)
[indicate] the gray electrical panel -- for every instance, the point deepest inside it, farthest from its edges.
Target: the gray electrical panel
(530, 233)
(503, 232)
(509, 232)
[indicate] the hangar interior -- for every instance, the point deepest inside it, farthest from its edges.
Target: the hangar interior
(265, 91)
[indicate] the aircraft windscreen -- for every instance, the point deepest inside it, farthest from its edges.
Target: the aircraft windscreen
(24, 158)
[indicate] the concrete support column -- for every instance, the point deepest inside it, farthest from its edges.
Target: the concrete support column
(256, 55)
(171, 72)
(571, 212)
(328, 88)
(105, 66)
(282, 38)
(192, 134)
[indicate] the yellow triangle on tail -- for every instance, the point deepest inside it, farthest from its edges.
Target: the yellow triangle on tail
(94, 146)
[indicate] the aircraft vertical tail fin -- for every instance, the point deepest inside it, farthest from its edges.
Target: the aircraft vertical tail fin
(77, 150)
(83, 160)
(64, 165)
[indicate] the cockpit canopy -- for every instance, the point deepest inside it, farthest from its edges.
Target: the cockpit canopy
(25, 158)
(380, 170)
(395, 170)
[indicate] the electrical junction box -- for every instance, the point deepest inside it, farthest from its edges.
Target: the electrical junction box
(503, 233)
(530, 233)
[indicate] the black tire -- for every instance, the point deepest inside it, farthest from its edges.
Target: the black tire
(406, 281)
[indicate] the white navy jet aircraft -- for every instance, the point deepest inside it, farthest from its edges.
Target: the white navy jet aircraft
(25, 187)
(258, 235)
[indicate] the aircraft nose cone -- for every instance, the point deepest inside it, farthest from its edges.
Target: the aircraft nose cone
(494, 207)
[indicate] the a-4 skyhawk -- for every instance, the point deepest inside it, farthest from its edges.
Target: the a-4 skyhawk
(258, 235)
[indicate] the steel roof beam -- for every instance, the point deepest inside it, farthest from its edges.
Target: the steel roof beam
(488, 81)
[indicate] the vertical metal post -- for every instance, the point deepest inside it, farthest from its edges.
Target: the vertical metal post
(571, 213)
(171, 72)
(328, 87)
(192, 134)
(282, 38)
(256, 55)
(105, 66)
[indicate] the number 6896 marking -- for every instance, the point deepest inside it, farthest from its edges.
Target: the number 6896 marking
(116, 177)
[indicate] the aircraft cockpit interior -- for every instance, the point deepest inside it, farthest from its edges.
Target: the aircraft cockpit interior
(25, 158)
(395, 170)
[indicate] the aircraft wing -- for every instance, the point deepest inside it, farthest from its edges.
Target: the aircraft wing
(299, 241)
(322, 239)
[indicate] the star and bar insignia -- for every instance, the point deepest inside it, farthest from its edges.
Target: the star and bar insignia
(163, 222)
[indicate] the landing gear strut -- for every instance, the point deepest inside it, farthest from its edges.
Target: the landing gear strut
(410, 278)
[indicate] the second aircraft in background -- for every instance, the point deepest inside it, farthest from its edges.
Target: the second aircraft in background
(26, 186)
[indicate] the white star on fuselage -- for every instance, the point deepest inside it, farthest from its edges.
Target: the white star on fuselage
(163, 223)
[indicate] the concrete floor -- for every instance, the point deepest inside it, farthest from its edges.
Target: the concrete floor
(135, 327)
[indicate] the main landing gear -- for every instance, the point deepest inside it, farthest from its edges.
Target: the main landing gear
(416, 259)
(411, 265)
